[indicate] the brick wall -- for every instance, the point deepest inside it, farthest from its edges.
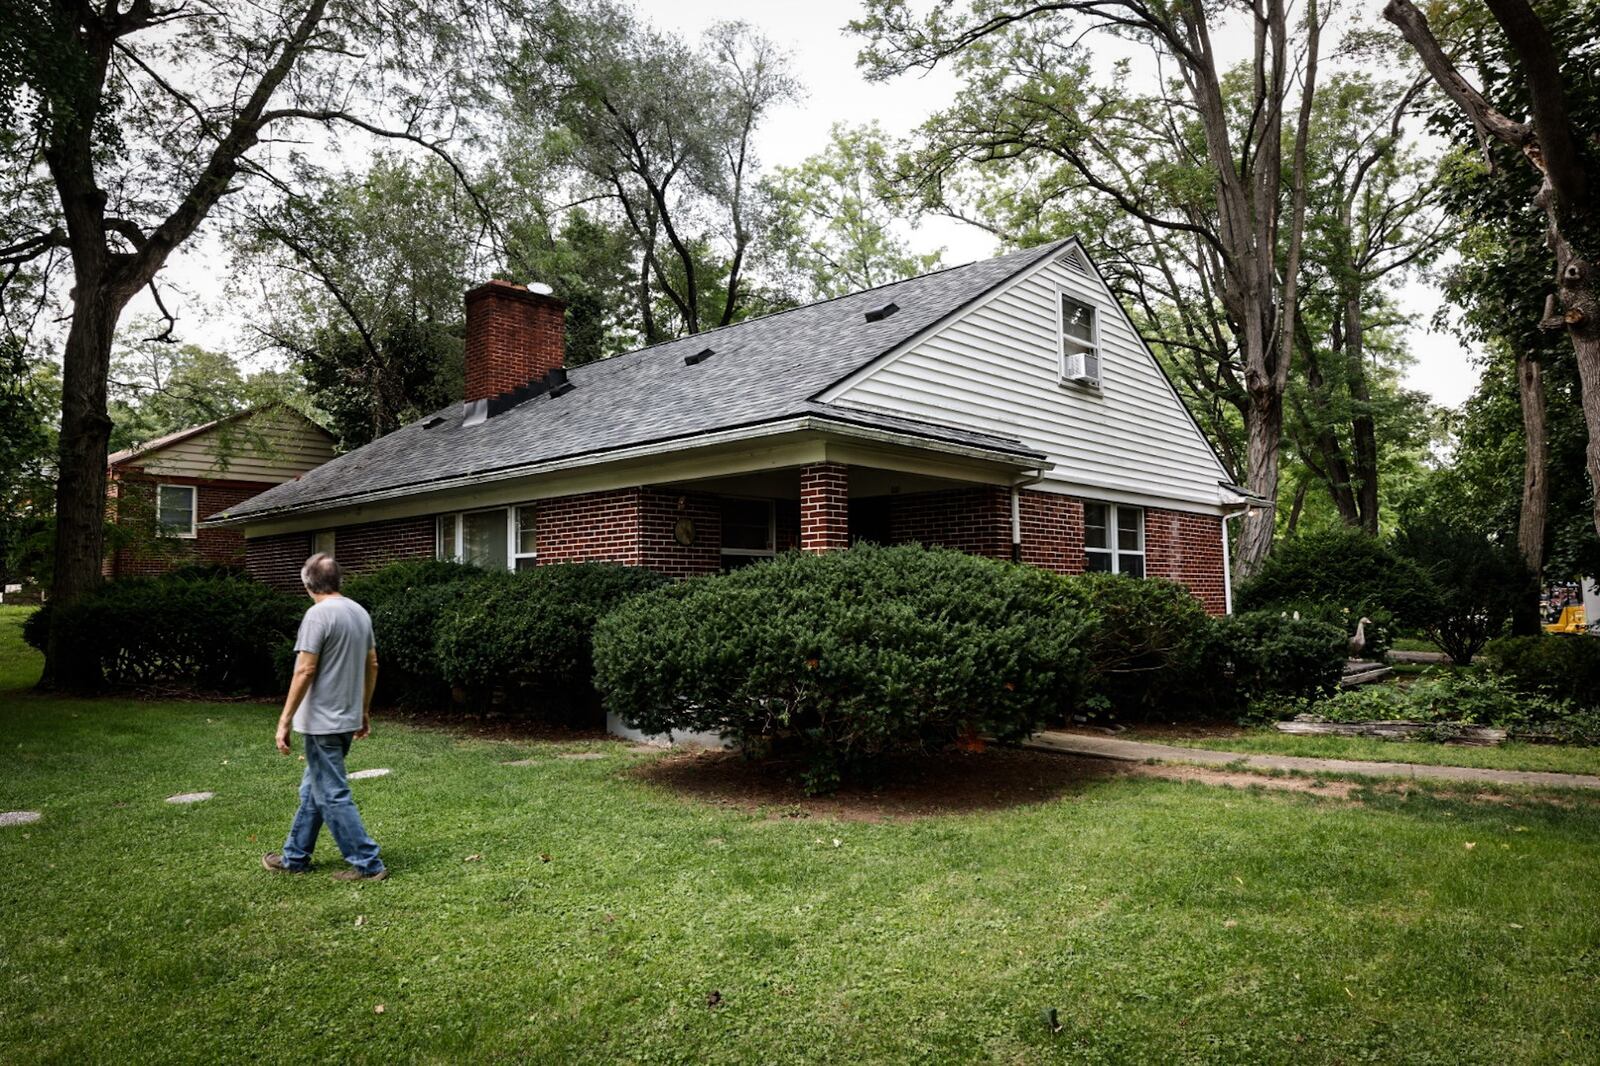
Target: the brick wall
(595, 526)
(132, 505)
(1186, 548)
(976, 520)
(276, 560)
(824, 507)
(1052, 530)
(659, 550)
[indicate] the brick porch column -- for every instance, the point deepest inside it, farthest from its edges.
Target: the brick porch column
(824, 507)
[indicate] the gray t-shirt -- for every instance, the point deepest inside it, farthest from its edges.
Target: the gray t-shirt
(339, 633)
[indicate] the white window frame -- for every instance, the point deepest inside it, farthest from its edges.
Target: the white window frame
(1092, 356)
(1113, 536)
(316, 542)
(457, 548)
(516, 554)
(194, 511)
(772, 529)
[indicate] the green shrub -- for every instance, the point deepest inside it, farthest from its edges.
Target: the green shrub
(1380, 632)
(214, 630)
(1339, 570)
(530, 635)
(1146, 645)
(374, 590)
(405, 626)
(1459, 697)
(849, 656)
(1565, 666)
(1478, 584)
(1262, 657)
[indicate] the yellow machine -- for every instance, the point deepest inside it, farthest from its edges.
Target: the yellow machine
(1572, 620)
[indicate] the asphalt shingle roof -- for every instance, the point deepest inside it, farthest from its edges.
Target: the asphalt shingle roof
(762, 370)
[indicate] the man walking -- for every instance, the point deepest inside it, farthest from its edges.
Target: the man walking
(329, 704)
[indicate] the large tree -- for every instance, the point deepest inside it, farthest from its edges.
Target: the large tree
(663, 132)
(1206, 158)
(1549, 76)
(144, 116)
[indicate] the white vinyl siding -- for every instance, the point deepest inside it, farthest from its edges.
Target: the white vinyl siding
(175, 507)
(996, 369)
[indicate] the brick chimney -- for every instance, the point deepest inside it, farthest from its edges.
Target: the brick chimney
(514, 336)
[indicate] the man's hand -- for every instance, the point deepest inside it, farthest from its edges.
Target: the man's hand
(283, 737)
(366, 727)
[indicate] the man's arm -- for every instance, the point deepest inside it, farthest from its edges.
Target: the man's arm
(366, 697)
(305, 672)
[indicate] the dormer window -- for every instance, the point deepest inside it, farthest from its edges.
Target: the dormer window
(1080, 343)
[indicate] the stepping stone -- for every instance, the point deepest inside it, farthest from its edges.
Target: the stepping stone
(190, 797)
(362, 775)
(19, 817)
(582, 755)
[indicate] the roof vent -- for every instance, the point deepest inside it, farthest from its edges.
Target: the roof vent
(698, 357)
(878, 314)
(436, 420)
(557, 382)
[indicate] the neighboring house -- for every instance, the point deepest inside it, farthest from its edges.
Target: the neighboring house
(159, 492)
(1006, 408)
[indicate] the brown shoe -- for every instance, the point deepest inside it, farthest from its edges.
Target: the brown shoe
(274, 862)
(352, 874)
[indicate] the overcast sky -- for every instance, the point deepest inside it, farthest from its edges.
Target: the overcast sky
(824, 58)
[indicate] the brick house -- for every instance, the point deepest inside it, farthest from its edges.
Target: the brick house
(1006, 408)
(158, 493)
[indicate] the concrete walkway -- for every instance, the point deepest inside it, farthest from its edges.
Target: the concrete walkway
(1137, 751)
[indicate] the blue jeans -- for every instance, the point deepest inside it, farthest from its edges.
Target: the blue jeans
(325, 798)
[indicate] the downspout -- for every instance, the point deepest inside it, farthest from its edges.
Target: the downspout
(1016, 511)
(1227, 564)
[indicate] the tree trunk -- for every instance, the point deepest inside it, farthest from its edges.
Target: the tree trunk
(81, 478)
(1363, 432)
(1262, 452)
(1535, 490)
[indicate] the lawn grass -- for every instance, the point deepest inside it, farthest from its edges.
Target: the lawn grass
(1559, 758)
(1164, 921)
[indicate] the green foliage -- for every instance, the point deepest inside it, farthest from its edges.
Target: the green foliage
(850, 655)
(1477, 583)
(373, 591)
(1453, 697)
(30, 400)
(1564, 666)
(1339, 570)
(214, 630)
(834, 217)
(1146, 647)
(530, 634)
(1259, 657)
(158, 388)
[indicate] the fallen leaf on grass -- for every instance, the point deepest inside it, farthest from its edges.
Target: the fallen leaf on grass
(544, 856)
(714, 999)
(378, 1009)
(361, 919)
(473, 858)
(1469, 845)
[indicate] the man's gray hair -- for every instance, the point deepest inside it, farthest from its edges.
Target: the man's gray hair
(321, 574)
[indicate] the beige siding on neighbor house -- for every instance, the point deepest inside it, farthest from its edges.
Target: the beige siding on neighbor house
(995, 368)
(266, 448)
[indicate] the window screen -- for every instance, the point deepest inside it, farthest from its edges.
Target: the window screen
(175, 509)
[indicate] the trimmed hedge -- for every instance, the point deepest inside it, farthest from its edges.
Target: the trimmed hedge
(529, 635)
(1261, 656)
(216, 630)
(849, 656)
(1338, 576)
(1566, 666)
(520, 639)
(1146, 647)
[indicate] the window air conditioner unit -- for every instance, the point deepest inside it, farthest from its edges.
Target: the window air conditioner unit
(1076, 368)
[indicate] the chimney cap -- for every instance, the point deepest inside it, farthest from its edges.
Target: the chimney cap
(536, 291)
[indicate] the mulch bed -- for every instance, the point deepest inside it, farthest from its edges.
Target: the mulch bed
(910, 787)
